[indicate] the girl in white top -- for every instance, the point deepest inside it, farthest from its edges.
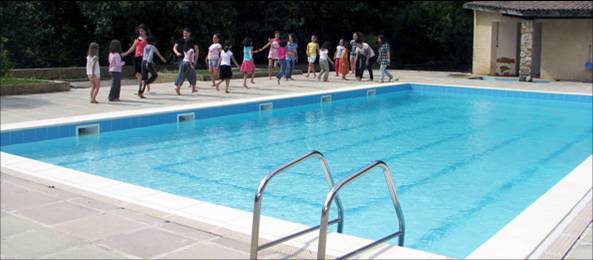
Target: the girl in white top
(323, 61)
(338, 54)
(226, 55)
(93, 71)
(187, 70)
(213, 58)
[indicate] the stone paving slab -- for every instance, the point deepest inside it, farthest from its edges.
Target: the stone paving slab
(583, 248)
(37, 243)
(86, 252)
(111, 225)
(24, 200)
(206, 250)
(187, 232)
(11, 225)
(56, 213)
(147, 243)
(56, 224)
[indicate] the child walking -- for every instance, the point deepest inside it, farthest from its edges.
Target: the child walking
(344, 62)
(323, 61)
(148, 65)
(93, 71)
(282, 61)
(137, 47)
(385, 58)
(273, 44)
(353, 51)
(213, 58)
(115, 64)
(338, 56)
(312, 50)
(248, 67)
(226, 55)
(187, 69)
(291, 55)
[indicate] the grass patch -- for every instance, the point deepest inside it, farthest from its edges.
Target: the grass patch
(19, 81)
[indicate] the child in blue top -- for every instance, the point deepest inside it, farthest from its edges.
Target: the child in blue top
(291, 55)
(248, 67)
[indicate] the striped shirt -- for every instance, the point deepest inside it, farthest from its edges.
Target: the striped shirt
(383, 53)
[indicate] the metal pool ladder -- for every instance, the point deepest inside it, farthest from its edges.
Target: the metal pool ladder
(331, 196)
(255, 247)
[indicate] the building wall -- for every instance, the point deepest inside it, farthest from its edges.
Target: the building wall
(483, 61)
(566, 46)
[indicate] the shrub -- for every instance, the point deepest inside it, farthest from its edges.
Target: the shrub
(5, 63)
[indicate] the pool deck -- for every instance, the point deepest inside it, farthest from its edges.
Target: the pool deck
(21, 108)
(38, 221)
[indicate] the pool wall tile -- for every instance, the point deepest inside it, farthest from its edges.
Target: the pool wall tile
(16, 137)
(108, 125)
(29, 136)
(105, 126)
(53, 132)
(5, 139)
(41, 134)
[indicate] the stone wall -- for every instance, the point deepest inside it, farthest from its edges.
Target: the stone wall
(526, 51)
(70, 73)
(51, 86)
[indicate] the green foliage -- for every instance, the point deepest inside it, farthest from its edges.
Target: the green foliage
(44, 34)
(5, 63)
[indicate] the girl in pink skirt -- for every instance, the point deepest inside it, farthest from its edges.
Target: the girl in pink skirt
(274, 44)
(248, 67)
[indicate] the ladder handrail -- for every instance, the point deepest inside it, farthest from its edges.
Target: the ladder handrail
(259, 197)
(333, 193)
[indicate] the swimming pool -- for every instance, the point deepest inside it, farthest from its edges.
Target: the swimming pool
(464, 163)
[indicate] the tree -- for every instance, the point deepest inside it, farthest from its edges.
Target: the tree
(422, 33)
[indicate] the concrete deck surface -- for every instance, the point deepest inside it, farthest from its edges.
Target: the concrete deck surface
(21, 108)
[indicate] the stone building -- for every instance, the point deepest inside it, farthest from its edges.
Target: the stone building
(542, 39)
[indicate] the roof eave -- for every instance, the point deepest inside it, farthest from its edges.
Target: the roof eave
(532, 14)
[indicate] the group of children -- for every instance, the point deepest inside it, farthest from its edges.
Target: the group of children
(351, 57)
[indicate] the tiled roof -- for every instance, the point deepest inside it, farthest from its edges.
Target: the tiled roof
(535, 9)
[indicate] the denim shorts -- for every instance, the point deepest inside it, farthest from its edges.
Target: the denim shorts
(213, 63)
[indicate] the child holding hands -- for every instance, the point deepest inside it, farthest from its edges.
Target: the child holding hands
(323, 61)
(93, 71)
(226, 55)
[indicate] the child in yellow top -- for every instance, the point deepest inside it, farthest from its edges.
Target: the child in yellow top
(312, 50)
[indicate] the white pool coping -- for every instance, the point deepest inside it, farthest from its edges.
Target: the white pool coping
(520, 238)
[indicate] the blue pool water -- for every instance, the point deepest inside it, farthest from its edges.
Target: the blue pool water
(464, 164)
